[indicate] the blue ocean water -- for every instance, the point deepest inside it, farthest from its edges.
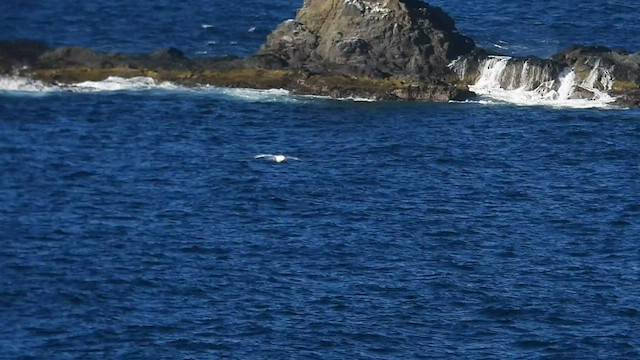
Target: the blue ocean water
(138, 225)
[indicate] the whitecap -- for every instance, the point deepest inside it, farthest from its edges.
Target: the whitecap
(14, 83)
(18, 84)
(558, 92)
(357, 99)
(254, 95)
(115, 83)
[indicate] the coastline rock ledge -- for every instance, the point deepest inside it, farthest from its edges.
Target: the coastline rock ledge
(382, 49)
(376, 49)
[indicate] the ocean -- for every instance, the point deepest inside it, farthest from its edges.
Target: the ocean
(137, 223)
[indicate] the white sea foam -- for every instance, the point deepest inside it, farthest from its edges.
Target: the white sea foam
(13, 83)
(16, 84)
(22, 84)
(114, 83)
(495, 83)
(273, 95)
(357, 99)
(254, 95)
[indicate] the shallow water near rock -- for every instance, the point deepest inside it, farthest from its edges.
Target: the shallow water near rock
(136, 222)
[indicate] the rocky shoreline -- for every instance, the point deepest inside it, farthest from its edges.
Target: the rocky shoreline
(381, 49)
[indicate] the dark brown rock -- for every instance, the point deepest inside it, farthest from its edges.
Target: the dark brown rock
(580, 92)
(72, 57)
(19, 53)
(628, 98)
(376, 38)
(617, 65)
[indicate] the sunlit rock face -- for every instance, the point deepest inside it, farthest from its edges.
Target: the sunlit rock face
(376, 38)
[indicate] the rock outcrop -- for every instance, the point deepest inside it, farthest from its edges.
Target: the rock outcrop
(618, 69)
(19, 53)
(594, 70)
(383, 49)
(375, 38)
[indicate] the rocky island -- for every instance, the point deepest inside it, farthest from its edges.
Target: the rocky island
(382, 49)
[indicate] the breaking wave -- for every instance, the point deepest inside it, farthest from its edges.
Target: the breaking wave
(114, 83)
(23, 85)
(499, 80)
(19, 84)
(502, 79)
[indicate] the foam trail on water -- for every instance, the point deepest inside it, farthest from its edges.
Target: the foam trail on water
(254, 95)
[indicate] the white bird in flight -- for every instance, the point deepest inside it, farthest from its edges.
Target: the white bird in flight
(277, 158)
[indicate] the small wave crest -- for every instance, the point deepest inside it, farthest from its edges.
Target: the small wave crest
(522, 97)
(255, 95)
(114, 83)
(357, 99)
(19, 84)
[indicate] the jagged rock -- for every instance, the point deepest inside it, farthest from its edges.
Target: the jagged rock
(629, 98)
(384, 49)
(169, 58)
(69, 57)
(171, 53)
(267, 61)
(580, 92)
(376, 38)
(593, 70)
(18, 53)
(526, 73)
(615, 68)
(72, 57)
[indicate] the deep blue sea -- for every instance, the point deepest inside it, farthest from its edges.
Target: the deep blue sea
(137, 224)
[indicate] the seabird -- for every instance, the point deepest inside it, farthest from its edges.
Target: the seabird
(277, 158)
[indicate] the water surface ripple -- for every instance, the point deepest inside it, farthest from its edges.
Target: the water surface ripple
(140, 226)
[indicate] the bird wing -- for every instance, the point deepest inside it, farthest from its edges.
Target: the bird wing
(262, 156)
